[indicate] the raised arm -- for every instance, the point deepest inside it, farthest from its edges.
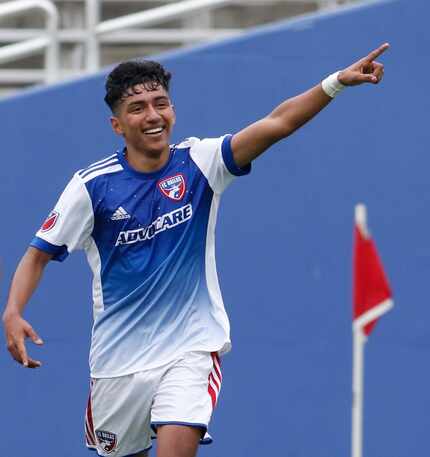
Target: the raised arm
(24, 283)
(290, 115)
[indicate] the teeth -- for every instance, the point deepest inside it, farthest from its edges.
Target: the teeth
(157, 130)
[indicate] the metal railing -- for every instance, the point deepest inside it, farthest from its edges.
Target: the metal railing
(151, 17)
(48, 42)
(113, 31)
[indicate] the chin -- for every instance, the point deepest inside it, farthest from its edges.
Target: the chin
(155, 150)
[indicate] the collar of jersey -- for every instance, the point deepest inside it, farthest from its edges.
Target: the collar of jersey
(140, 174)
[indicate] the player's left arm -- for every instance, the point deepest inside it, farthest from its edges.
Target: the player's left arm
(290, 115)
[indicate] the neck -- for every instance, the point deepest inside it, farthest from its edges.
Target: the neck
(147, 162)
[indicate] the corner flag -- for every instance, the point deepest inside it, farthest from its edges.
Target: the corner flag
(372, 298)
(372, 294)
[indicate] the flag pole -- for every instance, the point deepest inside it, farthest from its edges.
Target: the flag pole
(359, 340)
(357, 391)
(372, 299)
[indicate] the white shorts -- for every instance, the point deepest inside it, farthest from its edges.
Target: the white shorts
(123, 413)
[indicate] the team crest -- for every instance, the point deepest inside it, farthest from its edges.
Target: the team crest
(50, 221)
(173, 187)
(107, 441)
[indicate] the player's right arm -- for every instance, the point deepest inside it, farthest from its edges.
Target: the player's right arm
(24, 283)
(66, 229)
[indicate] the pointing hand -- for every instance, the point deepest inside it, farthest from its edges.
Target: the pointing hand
(366, 70)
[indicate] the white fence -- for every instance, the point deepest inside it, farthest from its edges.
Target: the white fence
(118, 30)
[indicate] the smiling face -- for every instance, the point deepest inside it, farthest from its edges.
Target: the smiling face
(145, 118)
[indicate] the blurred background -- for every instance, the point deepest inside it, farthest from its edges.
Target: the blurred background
(55, 40)
(284, 234)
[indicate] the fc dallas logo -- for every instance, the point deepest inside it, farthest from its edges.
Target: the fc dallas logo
(173, 187)
(107, 441)
(50, 221)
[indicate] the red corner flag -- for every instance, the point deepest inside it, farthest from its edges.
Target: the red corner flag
(372, 294)
(372, 298)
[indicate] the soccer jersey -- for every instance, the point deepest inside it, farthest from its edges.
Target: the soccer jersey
(149, 240)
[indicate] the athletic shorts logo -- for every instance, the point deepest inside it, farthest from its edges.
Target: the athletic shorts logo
(107, 441)
(50, 221)
(173, 187)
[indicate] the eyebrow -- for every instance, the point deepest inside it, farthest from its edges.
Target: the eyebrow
(161, 97)
(142, 102)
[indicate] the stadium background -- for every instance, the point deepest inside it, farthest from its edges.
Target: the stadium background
(283, 242)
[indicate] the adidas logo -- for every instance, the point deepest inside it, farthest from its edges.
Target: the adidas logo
(119, 214)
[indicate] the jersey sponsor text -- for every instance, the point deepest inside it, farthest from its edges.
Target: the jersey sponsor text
(164, 222)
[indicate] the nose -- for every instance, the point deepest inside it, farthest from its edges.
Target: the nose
(152, 115)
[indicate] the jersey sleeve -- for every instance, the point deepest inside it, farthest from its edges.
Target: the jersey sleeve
(214, 157)
(69, 226)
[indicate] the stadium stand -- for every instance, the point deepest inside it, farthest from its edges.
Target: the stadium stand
(77, 19)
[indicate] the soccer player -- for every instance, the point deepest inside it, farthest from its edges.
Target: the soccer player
(145, 217)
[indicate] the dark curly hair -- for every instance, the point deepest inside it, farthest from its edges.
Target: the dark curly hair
(123, 79)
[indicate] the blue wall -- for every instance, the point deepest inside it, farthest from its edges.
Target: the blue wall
(284, 240)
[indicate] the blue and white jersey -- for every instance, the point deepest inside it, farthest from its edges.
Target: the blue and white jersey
(150, 242)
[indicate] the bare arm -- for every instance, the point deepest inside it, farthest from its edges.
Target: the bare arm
(290, 115)
(24, 283)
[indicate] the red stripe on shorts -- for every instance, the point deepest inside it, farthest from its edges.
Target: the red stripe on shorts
(216, 377)
(217, 365)
(89, 421)
(90, 441)
(211, 376)
(212, 394)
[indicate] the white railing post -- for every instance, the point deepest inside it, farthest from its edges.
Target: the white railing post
(52, 54)
(93, 44)
(28, 47)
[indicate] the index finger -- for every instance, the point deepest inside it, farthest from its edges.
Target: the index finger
(377, 52)
(22, 353)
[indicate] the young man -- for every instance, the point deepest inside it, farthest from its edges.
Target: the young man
(145, 217)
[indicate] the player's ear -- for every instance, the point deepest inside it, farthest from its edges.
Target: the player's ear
(174, 114)
(116, 125)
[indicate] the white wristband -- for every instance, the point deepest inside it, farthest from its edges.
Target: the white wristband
(331, 85)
